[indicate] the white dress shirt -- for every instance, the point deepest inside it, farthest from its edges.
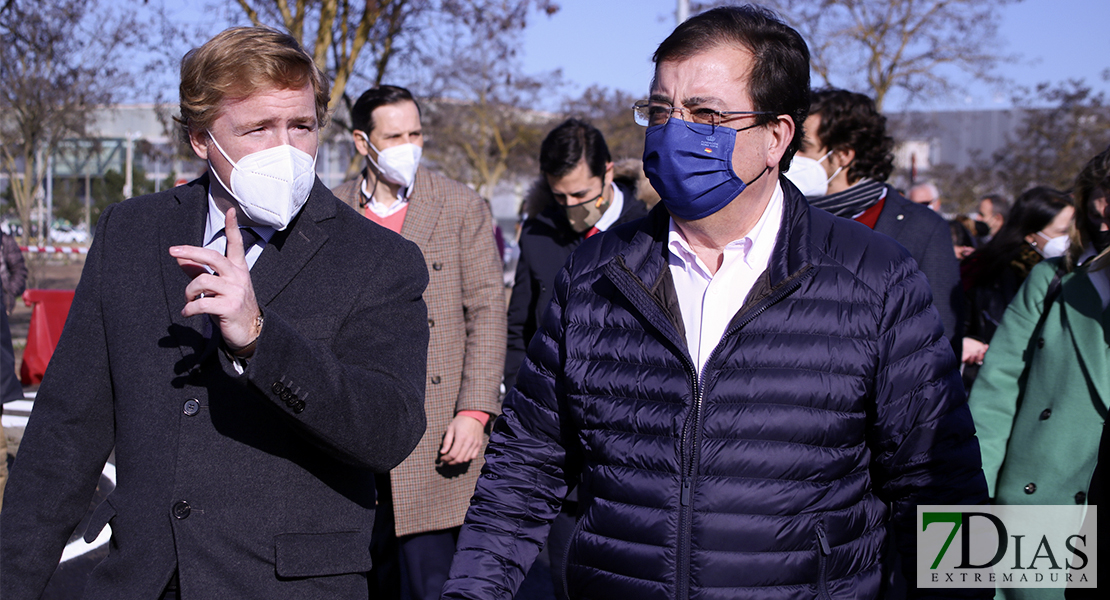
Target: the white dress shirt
(709, 302)
(214, 238)
(379, 208)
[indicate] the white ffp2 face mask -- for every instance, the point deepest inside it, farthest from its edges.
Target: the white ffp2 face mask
(270, 185)
(1056, 246)
(809, 176)
(396, 164)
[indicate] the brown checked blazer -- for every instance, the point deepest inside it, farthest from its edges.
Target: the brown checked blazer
(452, 226)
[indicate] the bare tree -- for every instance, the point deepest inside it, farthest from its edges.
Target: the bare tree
(877, 46)
(610, 110)
(365, 37)
(1052, 144)
(59, 61)
(485, 123)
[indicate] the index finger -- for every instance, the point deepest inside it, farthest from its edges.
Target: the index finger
(234, 237)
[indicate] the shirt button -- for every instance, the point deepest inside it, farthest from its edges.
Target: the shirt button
(431, 322)
(1030, 488)
(437, 266)
(1080, 497)
(182, 510)
(435, 379)
(191, 407)
(1046, 413)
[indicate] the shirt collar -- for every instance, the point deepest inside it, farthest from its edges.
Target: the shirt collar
(381, 209)
(755, 248)
(613, 212)
(214, 224)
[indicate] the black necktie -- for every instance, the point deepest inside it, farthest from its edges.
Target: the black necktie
(250, 238)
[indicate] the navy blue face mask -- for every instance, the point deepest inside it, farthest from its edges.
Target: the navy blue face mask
(692, 171)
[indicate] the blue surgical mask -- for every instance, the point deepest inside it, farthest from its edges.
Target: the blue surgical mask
(692, 171)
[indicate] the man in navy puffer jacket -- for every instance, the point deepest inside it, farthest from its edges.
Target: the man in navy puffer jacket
(747, 389)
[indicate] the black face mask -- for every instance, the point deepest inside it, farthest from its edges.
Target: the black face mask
(1101, 241)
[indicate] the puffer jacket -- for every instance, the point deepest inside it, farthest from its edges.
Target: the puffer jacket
(831, 395)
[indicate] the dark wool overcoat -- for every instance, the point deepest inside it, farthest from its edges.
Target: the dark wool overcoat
(252, 485)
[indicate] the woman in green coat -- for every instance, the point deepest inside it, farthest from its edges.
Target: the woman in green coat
(1039, 435)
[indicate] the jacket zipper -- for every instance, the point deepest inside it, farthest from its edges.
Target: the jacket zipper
(689, 455)
(823, 552)
(685, 521)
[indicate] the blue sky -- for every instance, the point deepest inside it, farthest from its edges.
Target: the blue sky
(609, 42)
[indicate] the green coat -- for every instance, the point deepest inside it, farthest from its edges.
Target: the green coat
(1043, 451)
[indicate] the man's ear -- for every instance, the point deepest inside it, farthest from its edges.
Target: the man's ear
(361, 144)
(199, 140)
(782, 133)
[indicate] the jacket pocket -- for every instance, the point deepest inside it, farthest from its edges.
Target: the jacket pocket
(103, 514)
(566, 553)
(823, 552)
(317, 554)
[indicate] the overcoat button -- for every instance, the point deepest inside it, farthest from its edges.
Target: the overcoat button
(1040, 342)
(1030, 488)
(435, 379)
(437, 266)
(182, 510)
(431, 322)
(1046, 413)
(1080, 497)
(191, 407)
(277, 387)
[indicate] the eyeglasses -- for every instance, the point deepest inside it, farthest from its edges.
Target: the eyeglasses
(699, 120)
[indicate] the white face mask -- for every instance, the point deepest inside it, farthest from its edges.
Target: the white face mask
(396, 164)
(809, 176)
(1054, 247)
(270, 185)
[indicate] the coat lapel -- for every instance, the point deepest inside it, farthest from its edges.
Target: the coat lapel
(1089, 326)
(184, 226)
(290, 250)
(425, 204)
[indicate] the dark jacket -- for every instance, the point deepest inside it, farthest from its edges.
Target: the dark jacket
(546, 240)
(929, 239)
(831, 396)
(257, 485)
(990, 284)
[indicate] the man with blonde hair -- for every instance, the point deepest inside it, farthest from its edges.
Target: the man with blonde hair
(252, 350)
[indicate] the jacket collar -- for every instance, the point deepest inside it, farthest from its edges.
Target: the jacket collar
(646, 254)
(425, 204)
(286, 254)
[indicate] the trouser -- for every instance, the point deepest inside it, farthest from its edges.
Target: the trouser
(410, 567)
